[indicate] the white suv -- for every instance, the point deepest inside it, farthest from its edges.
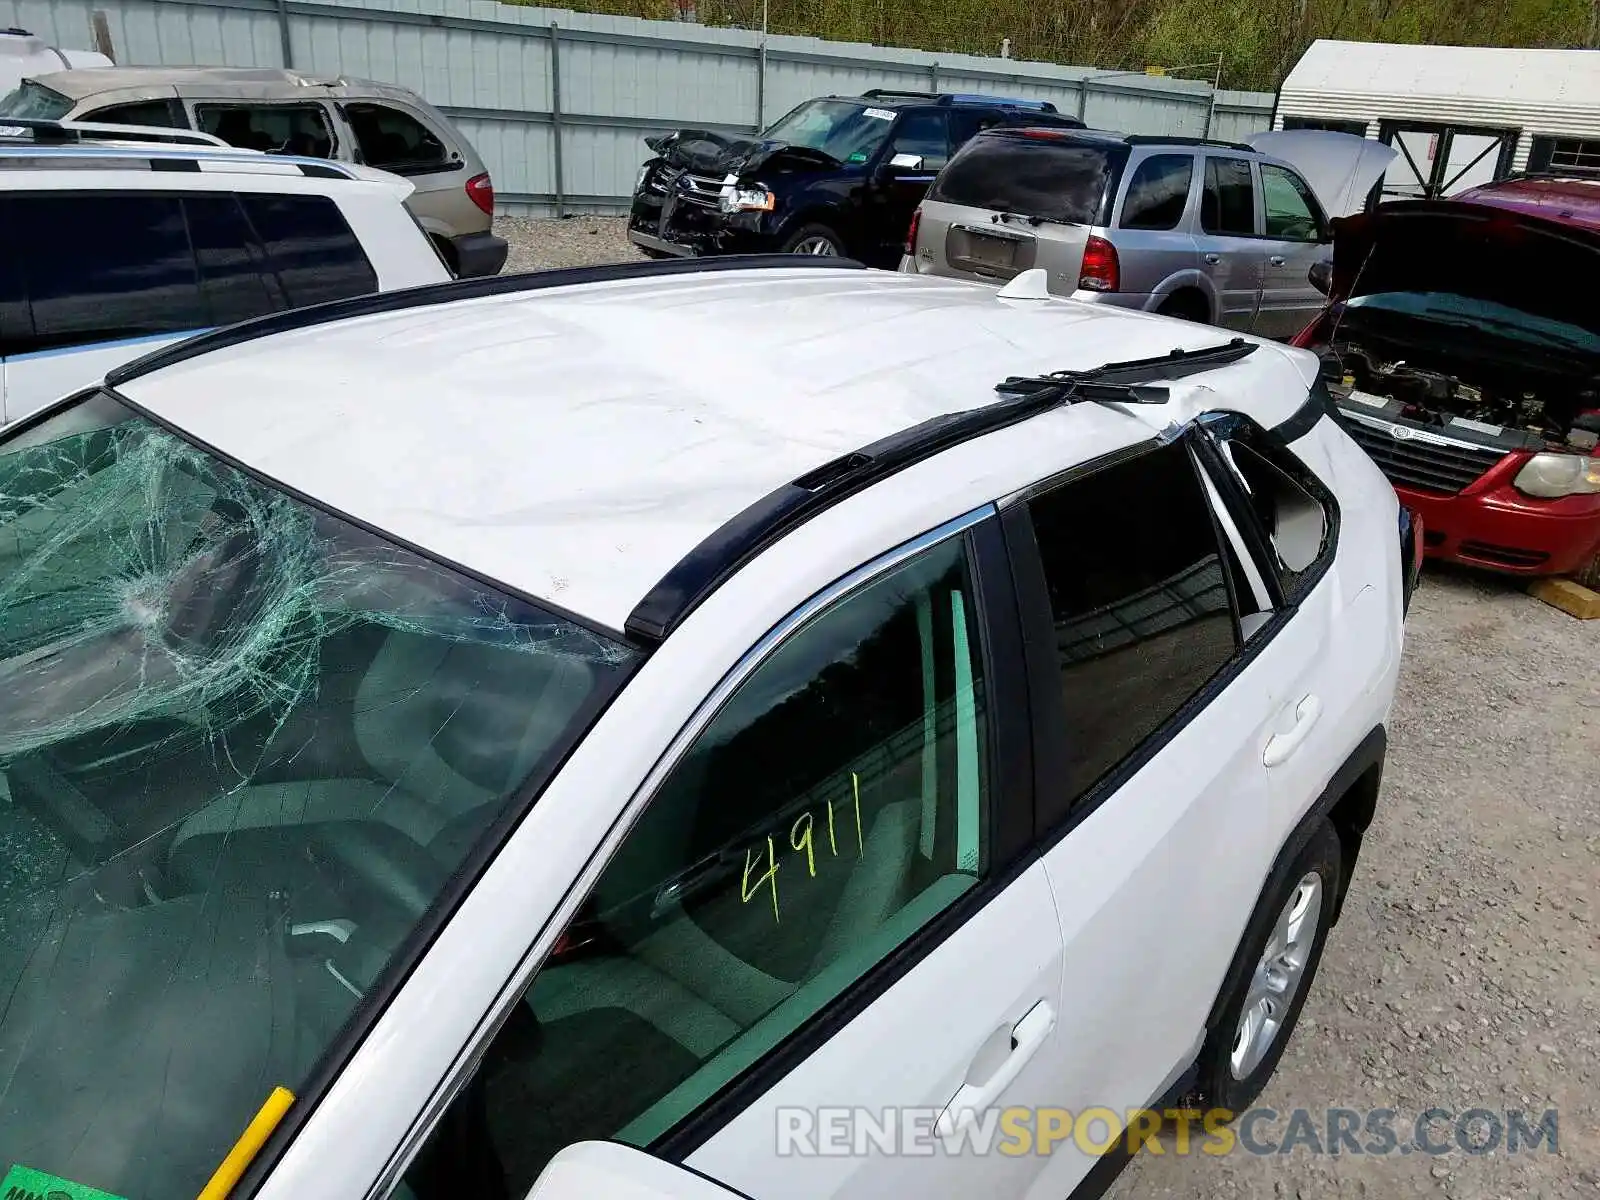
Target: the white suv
(115, 240)
(517, 744)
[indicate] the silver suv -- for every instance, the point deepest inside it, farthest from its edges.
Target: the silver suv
(288, 112)
(1213, 231)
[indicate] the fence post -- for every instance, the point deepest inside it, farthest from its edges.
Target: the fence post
(555, 119)
(100, 34)
(761, 85)
(933, 76)
(283, 34)
(1083, 99)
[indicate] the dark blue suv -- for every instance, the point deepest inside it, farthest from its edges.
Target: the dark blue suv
(837, 175)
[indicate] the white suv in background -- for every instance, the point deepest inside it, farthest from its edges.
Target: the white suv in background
(515, 744)
(116, 240)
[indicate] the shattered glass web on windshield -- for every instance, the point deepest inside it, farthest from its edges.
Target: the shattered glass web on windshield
(176, 638)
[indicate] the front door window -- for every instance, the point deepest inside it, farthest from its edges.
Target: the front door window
(836, 804)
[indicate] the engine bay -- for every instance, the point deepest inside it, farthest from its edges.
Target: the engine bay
(1507, 405)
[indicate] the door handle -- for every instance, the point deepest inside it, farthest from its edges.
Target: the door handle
(1213, 259)
(1281, 746)
(1276, 260)
(1027, 1035)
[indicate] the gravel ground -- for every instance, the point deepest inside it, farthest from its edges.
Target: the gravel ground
(1465, 971)
(538, 245)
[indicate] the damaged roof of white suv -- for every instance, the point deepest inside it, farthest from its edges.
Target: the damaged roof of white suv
(341, 649)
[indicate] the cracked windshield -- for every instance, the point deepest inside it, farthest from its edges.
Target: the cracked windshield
(243, 746)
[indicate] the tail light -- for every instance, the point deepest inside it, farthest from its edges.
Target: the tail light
(1101, 272)
(911, 233)
(480, 190)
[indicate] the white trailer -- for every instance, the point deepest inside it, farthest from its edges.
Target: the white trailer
(22, 55)
(1458, 115)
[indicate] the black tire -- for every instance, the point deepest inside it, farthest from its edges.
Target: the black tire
(813, 234)
(1186, 306)
(1589, 574)
(1217, 1084)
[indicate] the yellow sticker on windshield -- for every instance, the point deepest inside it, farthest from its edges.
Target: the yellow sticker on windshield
(25, 1183)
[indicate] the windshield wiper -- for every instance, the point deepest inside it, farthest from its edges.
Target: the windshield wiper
(1002, 213)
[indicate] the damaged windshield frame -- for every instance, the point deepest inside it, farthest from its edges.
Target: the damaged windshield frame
(504, 687)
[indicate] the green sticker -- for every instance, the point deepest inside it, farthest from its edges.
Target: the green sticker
(857, 157)
(24, 1183)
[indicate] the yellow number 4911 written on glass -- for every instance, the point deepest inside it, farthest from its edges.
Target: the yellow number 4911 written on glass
(801, 839)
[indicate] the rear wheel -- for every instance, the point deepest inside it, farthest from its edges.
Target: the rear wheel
(814, 239)
(1278, 959)
(1589, 574)
(1187, 306)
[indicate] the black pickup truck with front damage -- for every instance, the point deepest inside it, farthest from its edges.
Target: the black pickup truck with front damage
(836, 176)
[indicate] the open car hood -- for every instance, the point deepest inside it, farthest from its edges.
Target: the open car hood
(717, 154)
(1454, 247)
(1340, 167)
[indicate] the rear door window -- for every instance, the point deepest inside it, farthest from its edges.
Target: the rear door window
(1139, 600)
(1158, 192)
(1228, 205)
(302, 129)
(316, 255)
(234, 278)
(104, 267)
(1038, 176)
(396, 141)
(967, 123)
(926, 134)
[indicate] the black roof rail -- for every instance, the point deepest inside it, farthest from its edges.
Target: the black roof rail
(426, 294)
(739, 539)
(1161, 139)
(890, 93)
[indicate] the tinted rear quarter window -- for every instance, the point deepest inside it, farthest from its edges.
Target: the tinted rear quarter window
(1158, 192)
(1054, 178)
(1228, 204)
(1138, 598)
(313, 248)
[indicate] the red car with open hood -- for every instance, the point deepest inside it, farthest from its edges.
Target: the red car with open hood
(1462, 346)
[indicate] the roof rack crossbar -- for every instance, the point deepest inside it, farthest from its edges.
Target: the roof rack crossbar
(423, 295)
(1162, 139)
(76, 131)
(739, 539)
(886, 93)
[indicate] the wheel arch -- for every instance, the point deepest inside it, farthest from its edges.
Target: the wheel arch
(1348, 803)
(1186, 282)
